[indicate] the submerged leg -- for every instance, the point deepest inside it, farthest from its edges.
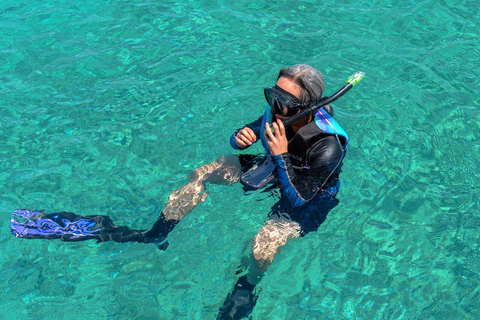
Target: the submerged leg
(68, 226)
(225, 170)
(274, 234)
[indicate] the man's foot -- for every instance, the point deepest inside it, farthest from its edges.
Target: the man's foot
(240, 302)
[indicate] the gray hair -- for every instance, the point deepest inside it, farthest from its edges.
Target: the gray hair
(309, 80)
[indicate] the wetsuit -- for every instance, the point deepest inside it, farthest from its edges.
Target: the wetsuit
(308, 173)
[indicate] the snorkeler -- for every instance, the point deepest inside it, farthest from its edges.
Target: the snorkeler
(303, 159)
(307, 159)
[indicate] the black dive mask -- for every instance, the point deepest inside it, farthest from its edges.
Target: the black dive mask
(282, 102)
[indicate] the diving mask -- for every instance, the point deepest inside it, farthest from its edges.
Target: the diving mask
(282, 102)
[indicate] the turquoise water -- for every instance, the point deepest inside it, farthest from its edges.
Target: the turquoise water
(106, 106)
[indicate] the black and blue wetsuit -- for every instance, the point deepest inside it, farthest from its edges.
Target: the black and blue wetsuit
(308, 173)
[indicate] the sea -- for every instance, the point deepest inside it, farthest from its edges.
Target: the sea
(108, 106)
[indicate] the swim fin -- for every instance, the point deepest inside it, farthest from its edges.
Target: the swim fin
(240, 302)
(68, 226)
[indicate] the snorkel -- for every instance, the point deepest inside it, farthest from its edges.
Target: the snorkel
(264, 172)
(317, 105)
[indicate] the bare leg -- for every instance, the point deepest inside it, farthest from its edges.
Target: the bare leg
(68, 226)
(225, 170)
(274, 234)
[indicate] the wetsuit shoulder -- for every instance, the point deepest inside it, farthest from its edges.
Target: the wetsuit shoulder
(325, 153)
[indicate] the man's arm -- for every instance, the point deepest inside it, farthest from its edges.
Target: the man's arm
(246, 136)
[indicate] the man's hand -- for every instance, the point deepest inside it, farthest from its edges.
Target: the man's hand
(277, 142)
(245, 137)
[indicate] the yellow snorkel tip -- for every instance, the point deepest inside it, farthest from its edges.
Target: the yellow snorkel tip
(355, 78)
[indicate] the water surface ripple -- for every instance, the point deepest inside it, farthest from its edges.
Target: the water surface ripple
(107, 106)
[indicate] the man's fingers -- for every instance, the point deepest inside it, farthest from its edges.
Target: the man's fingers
(242, 141)
(281, 127)
(269, 132)
(247, 132)
(276, 128)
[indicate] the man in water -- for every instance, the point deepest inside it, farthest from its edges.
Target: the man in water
(306, 158)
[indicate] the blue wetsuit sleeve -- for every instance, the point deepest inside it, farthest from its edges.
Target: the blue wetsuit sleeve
(300, 186)
(255, 126)
(233, 143)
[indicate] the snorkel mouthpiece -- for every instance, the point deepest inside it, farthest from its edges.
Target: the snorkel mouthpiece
(355, 78)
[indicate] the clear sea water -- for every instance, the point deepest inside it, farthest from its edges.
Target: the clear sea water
(106, 106)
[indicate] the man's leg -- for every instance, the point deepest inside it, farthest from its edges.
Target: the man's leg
(225, 170)
(68, 226)
(274, 234)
